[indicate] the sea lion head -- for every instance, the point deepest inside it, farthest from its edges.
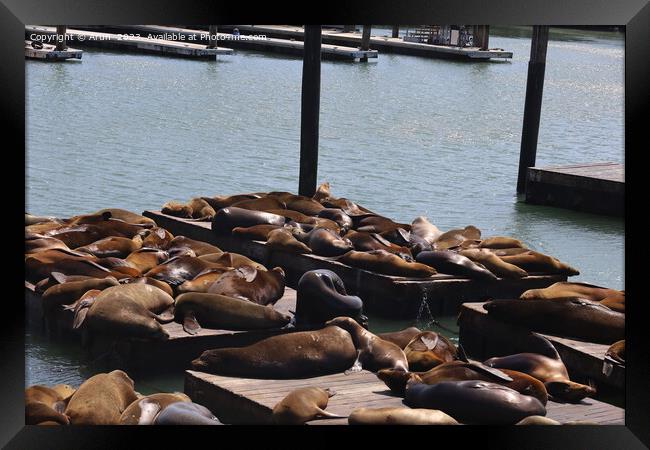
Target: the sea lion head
(397, 380)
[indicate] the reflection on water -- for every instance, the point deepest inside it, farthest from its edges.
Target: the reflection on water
(402, 135)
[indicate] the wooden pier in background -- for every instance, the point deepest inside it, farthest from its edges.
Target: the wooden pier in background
(251, 401)
(483, 337)
(383, 295)
(49, 52)
(133, 43)
(596, 188)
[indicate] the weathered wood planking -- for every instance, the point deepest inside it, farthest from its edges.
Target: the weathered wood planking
(384, 295)
(132, 354)
(50, 53)
(251, 401)
(484, 337)
(597, 188)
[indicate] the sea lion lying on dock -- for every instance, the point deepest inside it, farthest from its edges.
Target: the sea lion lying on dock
(381, 261)
(337, 215)
(454, 238)
(565, 290)
(203, 281)
(127, 216)
(424, 229)
(365, 242)
(378, 224)
(186, 413)
(401, 338)
(264, 287)
(305, 205)
(282, 239)
(399, 416)
(69, 292)
(254, 233)
(199, 248)
(157, 237)
(260, 204)
(616, 353)
(493, 263)
(47, 404)
(223, 201)
(112, 246)
(429, 349)
(42, 264)
(231, 217)
(324, 242)
(146, 259)
(144, 410)
(532, 261)
(454, 264)
(303, 405)
(43, 243)
(500, 242)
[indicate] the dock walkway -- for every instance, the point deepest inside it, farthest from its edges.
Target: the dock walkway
(251, 401)
(49, 52)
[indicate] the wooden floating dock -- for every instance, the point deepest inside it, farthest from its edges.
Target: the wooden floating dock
(133, 43)
(381, 43)
(251, 401)
(598, 188)
(50, 53)
(384, 295)
(285, 46)
(484, 337)
(175, 353)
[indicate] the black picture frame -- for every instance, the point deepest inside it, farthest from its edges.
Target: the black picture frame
(633, 14)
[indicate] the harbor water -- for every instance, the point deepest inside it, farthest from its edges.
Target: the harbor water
(403, 136)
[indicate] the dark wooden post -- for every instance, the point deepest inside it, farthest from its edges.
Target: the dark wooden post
(533, 105)
(60, 38)
(365, 40)
(212, 36)
(309, 110)
(395, 31)
(348, 28)
(485, 42)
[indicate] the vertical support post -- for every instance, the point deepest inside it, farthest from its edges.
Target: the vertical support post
(395, 31)
(533, 105)
(365, 40)
(485, 41)
(309, 110)
(60, 38)
(212, 35)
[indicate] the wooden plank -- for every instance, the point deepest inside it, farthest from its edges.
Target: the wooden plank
(384, 295)
(250, 401)
(484, 337)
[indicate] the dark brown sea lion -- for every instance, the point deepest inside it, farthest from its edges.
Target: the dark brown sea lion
(101, 399)
(575, 318)
(532, 261)
(144, 410)
(401, 338)
(429, 349)
(424, 229)
(31, 219)
(260, 204)
(291, 215)
(451, 263)
(201, 209)
(493, 263)
(67, 293)
(453, 238)
(186, 413)
(231, 217)
(254, 233)
(43, 244)
(347, 206)
(203, 281)
(321, 296)
(57, 278)
(474, 402)
(282, 239)
(293, 355)
(40, 265)
(283, 196)
(322, 192)
(325, 242)
(343, 220)
(151, 281)
(79, 235)
(378, 224)
(399, 416)
(127, 216)
(178, 270)
(224, 313)
(374, 353)
(264, 287)
(501, 242)
(177, 209)
(157, 238)
(146, 259)
(305, 205)
(565, 289)
(398, 236)
(224, 201)
(616, 352)
(112, 246)
(200, 248)
(302, 405)
(365, 242)
(381, 261)
(229, 259)
(43, 404)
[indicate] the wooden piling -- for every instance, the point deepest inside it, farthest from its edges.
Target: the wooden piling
(365, 40)
(485, 41)
(60, 38)
(310, 110)
(395, 33)
(533, 105)
(212, 35)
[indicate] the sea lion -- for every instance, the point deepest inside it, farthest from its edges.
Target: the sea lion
(151, 281)
(101, 399)
(305, 205)
(565, 289)
(146, 259)
(302, 405)
(398, 236)
(44, 244)
(378, 224)
(144, 410)
(451, 263)
(494, 264)
(222, 312)
(381, 261)
(79, 235)
(57, 278)
(399, 416)
(31, 219)
(69, 292)
(223, 201)
(343, 220)
(177, 209)
(365, 242)
(429, 349)
(402, 337)
(322, 192)
(474, 402)
(203, 281)
(254, 233)
(538, 420)
(282, 239)
(293, 355)
(119, 265)
(615, 302)
(201, 209)
(42, 264)
(112, 246)
(616, 353)
(424, 229)
(264, 287)
(347, 206)
(574, 318)
(200, 248)
(176, 271)
(231, 217)
(374, 353)
(229, 259)
(325, 242)
(454, 238)
(186, 413)
(501, 242)
(43, 404)
(127, 216)
(532, 261)
(289, 214)
(157, 238)
(506, 251)
(127, 310)
(260, 204)
(321, 296)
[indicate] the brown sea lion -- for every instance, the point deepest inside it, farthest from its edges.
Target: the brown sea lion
(532, 261)
(282, 239)
(305, 205)
(176, 271)
(453, 238)
(474, 402)
(494, 264)
(302, 405)
(429, 349)
(565, 289)
(201, 209)
(40, 265)
(538, 420)
(177, 209)
(342, 220)
(374, 353)
(574, 318)
(325, 242)
(69, 292)
(186, 413)
(112, 246)
(615, 303)
(229, 259)
(506, 251)
(264, 287)
(57, 278)
(146, 259)
(347, 206)
(445, 261)
(292, 355)
(44, 227)
(378, 224)
(144, 410)
(291, 215)
(43, 244)
(365, 242)
(501, 242)
(224, 201)
(401, 338)
(231, 217)
(200, 248)
(616, 352)
(224, 313)
(79, 235)
(151, 281)
(43, 404)
(203, 281)
(381, 261)
(119, 265)
(399, 416)
(254, 233)
(101, 399)
(31, 219)
(127, 216)
(157, 238)
(322, 192)
(260, 204)
(425, 229)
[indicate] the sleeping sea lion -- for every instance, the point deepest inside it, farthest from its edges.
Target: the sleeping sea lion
(325, 242)
(302, 405)
(493, 263)
(43, 404)
(231, 217)
(203, 281)
(177, 209)
(402, 337)
(501, 242)
(146, 259)
(429, 349)
(112, 246)
(381, 261)
(144, 410)
(223, 201)
(399, 416)
(532, 261)
(424, 229)
(200, 248)
(260, 204)
(565, 289)
(69, 292)
(454, 238)
(254, 233)
(451, 263)
(264, 287)
(365, 242)
(282, 239)
(343, 220)
(186, 413)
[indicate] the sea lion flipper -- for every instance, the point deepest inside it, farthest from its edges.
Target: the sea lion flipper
(190, 324)
(322, 414)
(59, 277)
(166, 316)
(79, 317)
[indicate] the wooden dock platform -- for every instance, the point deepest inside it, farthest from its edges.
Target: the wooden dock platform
(133, 43)
(483, 337)
(383, 295)
(251, 401)
(288, 46)
(381, 43)
(598, 187)
(50, 53)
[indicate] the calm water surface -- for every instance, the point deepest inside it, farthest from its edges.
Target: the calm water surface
(402, 135)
